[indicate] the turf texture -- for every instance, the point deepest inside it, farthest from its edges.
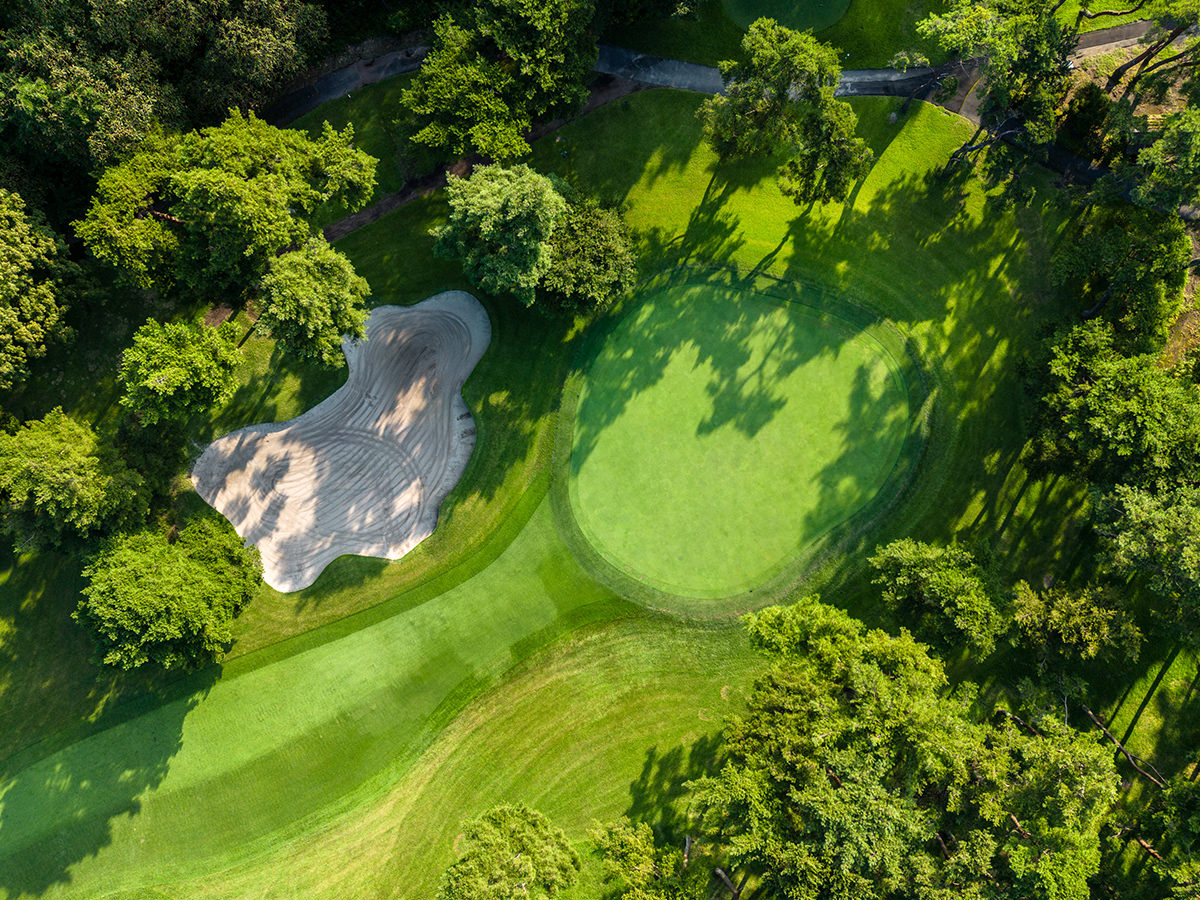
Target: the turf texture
(719, 432)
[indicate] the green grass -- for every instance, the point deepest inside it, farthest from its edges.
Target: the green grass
(611, 722)
(228, 780)
(719, 432)
(325, 722)
(798, 14)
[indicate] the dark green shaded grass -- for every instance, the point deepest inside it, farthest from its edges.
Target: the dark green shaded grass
(798, 14)
(719, 432)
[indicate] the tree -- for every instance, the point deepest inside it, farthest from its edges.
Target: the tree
(1171, 20)
(644, 870)
(500, 225)
(207, 212)
(82, 83)
(311, 297)
(780, 99)
(941, 592)
(35, 278)
(510, 853)
(59, 481)
(500, 66)
(169, 602)
(1154, 533)
(1131, 266)
(1106, 418)
(177, 370)
(1062, 627)
(853, 774)
(1025, 54)
(1166, 175)
(591, 259)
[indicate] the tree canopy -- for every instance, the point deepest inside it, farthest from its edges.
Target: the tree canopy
(207, 212)
(780, 99)
(510, 853)
(500, 225)
(311, 298)
(1166, 174)
(169, 602)
(1131, 267)
(591, 260)
(940, 592)
(854, 774)
(173, 371)
(1062, 627)
(59, 481)
(496, 67)
(83, 82)
(35, 282)
(1108, 418)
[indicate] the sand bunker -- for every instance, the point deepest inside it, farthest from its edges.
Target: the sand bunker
(365, 470)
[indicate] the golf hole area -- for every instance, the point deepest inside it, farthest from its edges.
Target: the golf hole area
(719, 432)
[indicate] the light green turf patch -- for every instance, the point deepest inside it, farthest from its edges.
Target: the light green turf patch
(799, 14)
(202, 778)
(719, 432)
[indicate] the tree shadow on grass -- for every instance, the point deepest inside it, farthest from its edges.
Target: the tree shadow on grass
(60, 810)
(659, 796)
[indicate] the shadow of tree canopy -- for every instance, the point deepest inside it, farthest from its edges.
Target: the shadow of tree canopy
(659, 795)
(60, 810)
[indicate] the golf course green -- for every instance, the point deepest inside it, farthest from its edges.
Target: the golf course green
(720, 431)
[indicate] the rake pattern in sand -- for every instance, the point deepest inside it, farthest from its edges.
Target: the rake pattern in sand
(365, 470)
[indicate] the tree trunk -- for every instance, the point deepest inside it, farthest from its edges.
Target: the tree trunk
(736, 891)
(1149, 53)
(1145, 845)
(1133, 760)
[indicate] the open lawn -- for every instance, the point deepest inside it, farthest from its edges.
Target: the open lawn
(719, 432)
(359, 722)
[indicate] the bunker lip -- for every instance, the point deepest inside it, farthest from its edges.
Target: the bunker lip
(366, 470)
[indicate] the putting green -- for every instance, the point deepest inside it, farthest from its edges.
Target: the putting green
(720, 432)
(799, 14)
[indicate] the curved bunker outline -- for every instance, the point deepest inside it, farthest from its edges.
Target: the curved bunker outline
(366, 470)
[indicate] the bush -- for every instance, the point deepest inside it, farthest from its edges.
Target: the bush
(151, 599)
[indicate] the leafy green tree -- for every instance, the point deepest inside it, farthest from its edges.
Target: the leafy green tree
(174, 371)
(35, 278)
(1171, 47)
(779, 99)
(82, 83)
(510, 853)
(500, 225)
(1062, 627)
(591, 259)
(59, 481)
(311, 297)
(1131, 266)
(1176, 852)
(854, 775)
(498, 67)
(1166, 175)
(1153, 532)
(1106, 418)
(169, 602)
(641, 869)
(941, 592)
(1026, 57)
(207, 212)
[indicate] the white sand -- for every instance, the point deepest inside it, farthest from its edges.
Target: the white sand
(366, 470)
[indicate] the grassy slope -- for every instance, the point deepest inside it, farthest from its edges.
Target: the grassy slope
(700, 380)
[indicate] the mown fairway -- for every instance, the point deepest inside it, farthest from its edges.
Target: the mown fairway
(361, 721)
(719, 432)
